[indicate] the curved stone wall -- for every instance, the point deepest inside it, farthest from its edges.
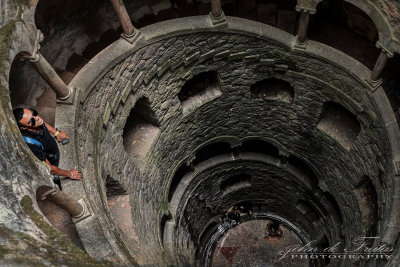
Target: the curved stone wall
(155, 67)
(243, 53)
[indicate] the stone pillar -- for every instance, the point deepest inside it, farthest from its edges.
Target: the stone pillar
(123, 17)
(380, 64)
(303, 27)
(50, 76)
(216, 10)
(63, 200)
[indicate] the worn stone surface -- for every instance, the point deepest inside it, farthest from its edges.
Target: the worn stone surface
(158, 71)
(254, 248)
(234, 113)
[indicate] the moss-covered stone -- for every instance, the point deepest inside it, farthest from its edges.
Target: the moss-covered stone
(57, 249)
(5, 44)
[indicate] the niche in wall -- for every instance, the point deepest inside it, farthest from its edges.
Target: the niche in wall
(184, 169)
(308, 210)
(211, 150)
(258, 146)
(164, 219)
(304, 168)
(272, 89)
(340, 124)
(335, 205)
(141, 129)
(57, 216)
(114, 187)
(368, 201)
(118, 201)
(202, 88)
(235, 183)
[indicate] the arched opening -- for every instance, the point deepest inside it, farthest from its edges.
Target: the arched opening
(206, 235)
(340, 124)
(235, 182)
(75, 32)
(200, 89)
(324, 244)
(114, 187)
(304, 168)
(141, 129)
(277, 13)
(367, 198)
(273, 89)
(29, 90)
(335, 206)
(182, 171)
(118, 201)
(57, 216)
(211, 150)
(391, 81)
(258, 146)
(340, 25)
(164, 219)
(308, 210)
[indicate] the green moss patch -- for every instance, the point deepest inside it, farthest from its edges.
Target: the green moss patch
(56, 250)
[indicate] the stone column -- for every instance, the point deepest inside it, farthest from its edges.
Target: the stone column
(380, 64)
(303, 27)
(216, 10)
(50, 76)
(64, 201)
(123, 17)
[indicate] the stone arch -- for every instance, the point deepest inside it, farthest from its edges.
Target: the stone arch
(304, 168)
(340, 24)
(272, 89)
(176, 179)
(235, 182)
(141, 129)
(211, 150)
(340, 124)
(116, 45)
(58, 217)
(259, 146)
(200, 89)
(385, 30)
(37, 95)
(367, 198)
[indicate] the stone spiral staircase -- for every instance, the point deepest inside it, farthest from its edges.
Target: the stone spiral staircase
(322, 141)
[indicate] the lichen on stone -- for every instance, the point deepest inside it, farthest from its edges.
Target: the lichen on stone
(56, 250)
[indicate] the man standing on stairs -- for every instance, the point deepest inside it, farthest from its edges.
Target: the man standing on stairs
(36, 133)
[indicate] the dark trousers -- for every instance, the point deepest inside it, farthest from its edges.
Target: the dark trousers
(54, 160)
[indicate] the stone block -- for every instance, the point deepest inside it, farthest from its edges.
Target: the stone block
(281, 67)
(237, 56)
(190, 59)
(267, 61)
(126, 91)
(162, 69)
(116, 102)
(250, 58)
(107, 114)
(210, 54)
(177, 63)
(150, 74)
(222, 55)
(396, 164)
